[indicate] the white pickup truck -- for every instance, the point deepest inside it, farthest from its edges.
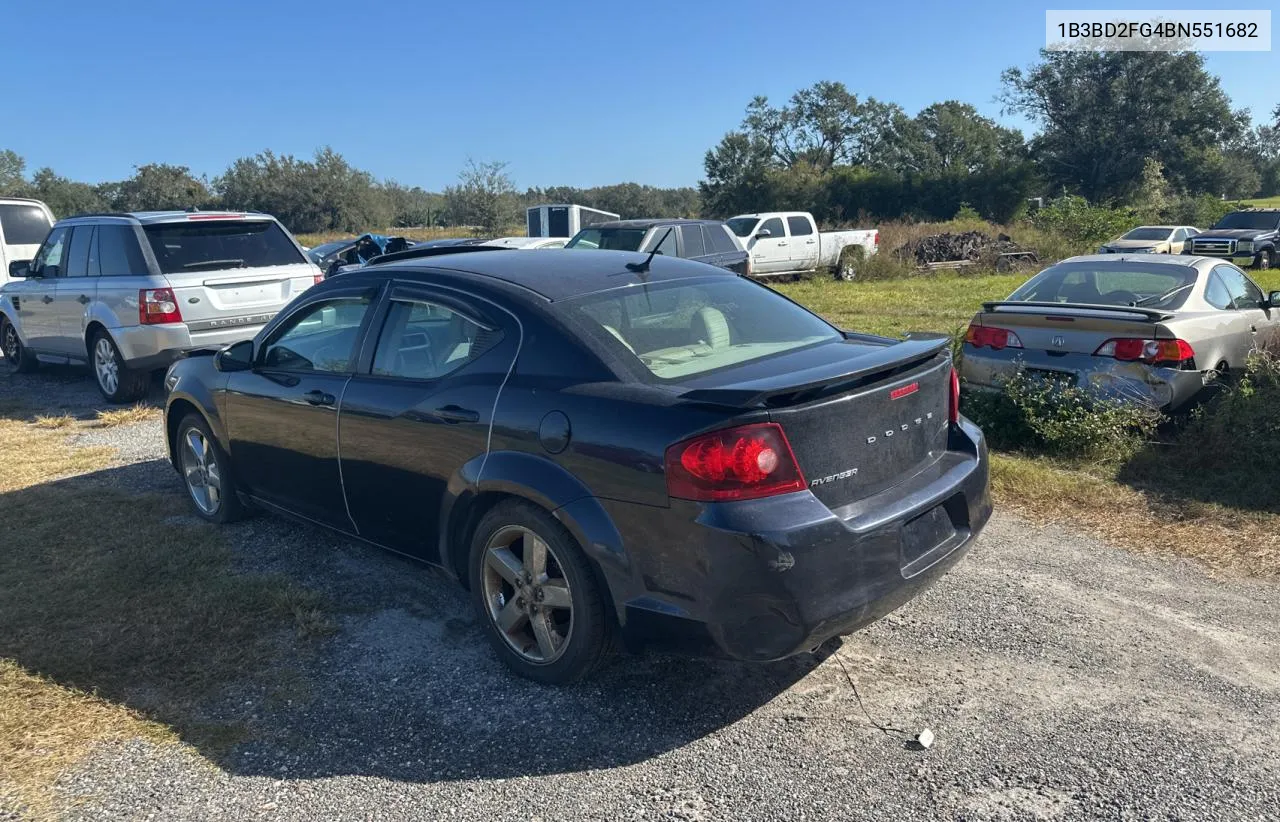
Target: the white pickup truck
(788, 242)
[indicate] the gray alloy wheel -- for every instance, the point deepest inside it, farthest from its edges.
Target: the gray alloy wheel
(14, 352)
(201, 470)
(106, 367)
(117, 382)
(527, 594)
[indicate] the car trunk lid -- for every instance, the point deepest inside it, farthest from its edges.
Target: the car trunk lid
(1061, 329)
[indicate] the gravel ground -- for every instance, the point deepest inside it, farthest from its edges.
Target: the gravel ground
(1063, 679)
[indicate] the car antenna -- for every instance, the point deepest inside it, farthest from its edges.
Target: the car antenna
(644, 266)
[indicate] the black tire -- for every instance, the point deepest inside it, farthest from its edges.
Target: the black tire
(1266, 259)
(129, 385)
(216, 465)
(15, 353)
(589, 642)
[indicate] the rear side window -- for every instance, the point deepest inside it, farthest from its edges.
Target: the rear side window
(668, 244)
(683, 329)
(23, 224)
(693, 244)
(1216, 293)
(425, 341)
(799, 226)
(718, 239)
(206, 245)
(119, 254)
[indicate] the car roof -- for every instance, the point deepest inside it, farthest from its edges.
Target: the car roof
(556, 273)
(650, 222)
(153, 217)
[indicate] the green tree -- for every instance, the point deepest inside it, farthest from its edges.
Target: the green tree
(1102, 114)
(953, 136)
(160, 187)
(65, 197)
(13, 170)
(484, 198)
(737, 176)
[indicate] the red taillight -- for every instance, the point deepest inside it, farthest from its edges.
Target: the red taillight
(747, 462)
(986, 335)
(1135, 349)
(317, 279)
(876, 241)
(158, 305)
(953, 408)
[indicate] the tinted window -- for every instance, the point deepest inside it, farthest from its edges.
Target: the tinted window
(425, 341)
(1150, 285)
(681, 329)
(668, 244)
(616, 239)
(78, 254)
(718, 239)
(799, 226)
(49, 259)
(212, 244)
(119, 254)
(23, 224)
(692, 237)
(773, 225)
(743, 226)
(320, 337)
(1216, 293)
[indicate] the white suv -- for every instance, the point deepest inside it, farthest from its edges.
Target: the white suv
(129, 293)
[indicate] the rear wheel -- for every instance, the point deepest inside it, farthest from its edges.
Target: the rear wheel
(14, 351)
(117, 383)
(536, 595)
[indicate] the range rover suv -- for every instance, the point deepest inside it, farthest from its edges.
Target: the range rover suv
(130, 293)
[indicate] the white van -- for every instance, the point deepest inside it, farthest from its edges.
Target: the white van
(23, 226)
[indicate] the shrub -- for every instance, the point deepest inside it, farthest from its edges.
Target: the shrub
(1074, 218)
(1061, 421)
(1202, 211)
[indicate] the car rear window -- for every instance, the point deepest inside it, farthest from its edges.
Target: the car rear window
(1117, 284)
(23, 224)
(686, 328)
(214, 244)
(613, 239)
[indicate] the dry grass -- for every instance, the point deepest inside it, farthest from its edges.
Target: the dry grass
(123, 617)
(61, 421)
(126, 416)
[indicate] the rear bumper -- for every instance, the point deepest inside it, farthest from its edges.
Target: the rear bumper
(765, 579)
(152, 347)
(1164, 389)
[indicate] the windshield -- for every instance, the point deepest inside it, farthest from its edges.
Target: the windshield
(213, 244)
(1148, 234)
(685, 328)
(1250, 219)
(1149, 285)
(612, 239)
(742, 226)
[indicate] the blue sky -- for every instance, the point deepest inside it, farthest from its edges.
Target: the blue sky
(567, 92)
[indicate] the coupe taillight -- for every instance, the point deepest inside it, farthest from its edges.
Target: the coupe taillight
(987, 336)
(1136, 349)
(158, 305)
(953, 407)
(746, 462)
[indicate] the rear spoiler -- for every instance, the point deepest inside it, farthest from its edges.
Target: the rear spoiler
(1152, 315)
(868, 367)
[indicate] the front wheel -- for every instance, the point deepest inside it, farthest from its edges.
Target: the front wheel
(537, 597)
(14, 351)
(117, 383)
(1266, 258)
(206, 471)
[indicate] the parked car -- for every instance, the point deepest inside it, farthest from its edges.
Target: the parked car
(23, 226)
(600, 446)
(707, 241)
(1246, 238)
(1152, 239)
(355, 251)
(449, 242)
(529, 242)
(785, 243)
(129, 293)
(1155, 329)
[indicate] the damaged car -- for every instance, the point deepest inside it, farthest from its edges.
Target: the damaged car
(1155, 329)
(338, 254)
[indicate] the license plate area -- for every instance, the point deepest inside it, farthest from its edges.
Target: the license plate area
(1046, 376)
(925, 533)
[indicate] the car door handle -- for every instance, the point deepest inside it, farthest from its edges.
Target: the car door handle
(782, 243)
(318, 398)
(810, 242)
(454, 413)
(84, 299)
(46, 299)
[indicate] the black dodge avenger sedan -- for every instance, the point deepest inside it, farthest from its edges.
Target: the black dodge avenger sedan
(601, 447)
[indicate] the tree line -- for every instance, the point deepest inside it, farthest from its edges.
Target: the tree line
(1120, 129)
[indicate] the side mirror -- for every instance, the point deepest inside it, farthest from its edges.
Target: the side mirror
(762, 233)
(235, 357)
(18, 269)
(1273, 299)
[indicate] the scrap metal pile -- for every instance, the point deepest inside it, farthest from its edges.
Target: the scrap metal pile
(966, 248)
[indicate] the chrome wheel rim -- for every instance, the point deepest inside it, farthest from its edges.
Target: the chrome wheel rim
(527, 595)
(105, 365)
(200, 467)
(11, 344)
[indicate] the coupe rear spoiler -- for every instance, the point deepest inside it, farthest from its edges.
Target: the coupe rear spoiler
(1151, 315)
(870, 366)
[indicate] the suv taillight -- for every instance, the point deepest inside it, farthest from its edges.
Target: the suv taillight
(158, 305)
(746, 462)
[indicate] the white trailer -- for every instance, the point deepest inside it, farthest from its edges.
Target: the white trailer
(564, 220)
